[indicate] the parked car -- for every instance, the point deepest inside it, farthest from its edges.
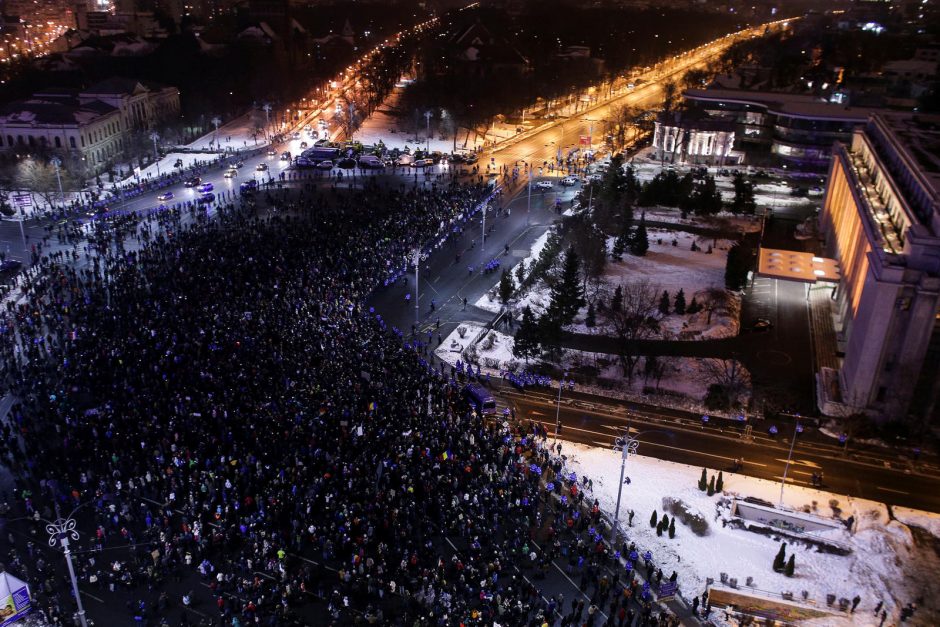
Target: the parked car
(10, 265)
(238, 164)
(165, 196)
(205, 187)
(544, 185)
(762, 324)
(325, 165)
(303, 162)
(248, 186)
(285, 156)
(569, 181)
(272, 153)
(193, 182)
(348, 163)
(261, 167)
(204, 198)
(231, 174)
(303, 145)
(470, 159)
(405, 160)
(371, 161)
(421, 163)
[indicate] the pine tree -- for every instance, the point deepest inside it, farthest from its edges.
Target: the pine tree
(527, 338)
(640, 242)
(672, 528)
(567, 295)
(664, 304)
(781, 557)
(590, 318)
(791, 565)
(665, 520)
(740, 261)
(653, 519)
(703, 480)
(659, 528)
(505, 287)
(720, 484)
(620, 245)
(616, 302)
(711, 486)
(520, 273)
(680, 302)
(693, 307)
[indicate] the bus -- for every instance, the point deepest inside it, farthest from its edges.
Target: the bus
(480, 398)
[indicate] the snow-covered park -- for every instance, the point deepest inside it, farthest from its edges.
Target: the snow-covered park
(885, 561)
(681, 382)
(669, 265)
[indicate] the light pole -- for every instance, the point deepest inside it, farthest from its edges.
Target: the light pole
(417, 262)
(427, 117)
(561, 386)
(528, 207)
(61, 531)
(216, 121)
(57, 163)
(627, 446)
(783, 481)
(267, 115)
(156, 154)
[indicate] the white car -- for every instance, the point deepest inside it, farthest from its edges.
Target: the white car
(165, 196)
(544, 185)
(325, 165)
(569, 181)
(231, 174)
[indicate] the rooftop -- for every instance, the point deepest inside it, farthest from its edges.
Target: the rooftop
(797, 105)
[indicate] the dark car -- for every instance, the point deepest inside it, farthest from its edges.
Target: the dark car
(10, 265)
(193, 182)
(204, 198)
(762, 324)
(248, 186)
(348, 163)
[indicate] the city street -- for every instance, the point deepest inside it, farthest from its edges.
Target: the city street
(597, 421)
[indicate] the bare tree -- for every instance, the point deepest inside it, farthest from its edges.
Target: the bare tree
(670, 95)
(349, 116)
(40, 177)
(635, 319)
(730, 377)
(714, 299)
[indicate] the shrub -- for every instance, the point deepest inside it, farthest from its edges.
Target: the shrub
(690, 518)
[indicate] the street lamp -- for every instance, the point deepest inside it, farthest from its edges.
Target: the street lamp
(561, 386)
(57, 163)
(156, 154)
(61, 531)
(783, 481)
(216, 121)
(417, 262)
(427, 117)
(627, 445)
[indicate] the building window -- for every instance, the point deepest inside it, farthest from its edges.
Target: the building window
(58, 142)
(31, 140)
(72, 142)
(9, 140)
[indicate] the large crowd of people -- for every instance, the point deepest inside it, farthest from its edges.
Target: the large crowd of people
(216, 397)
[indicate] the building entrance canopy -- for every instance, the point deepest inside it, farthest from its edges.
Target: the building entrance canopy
(791, 265)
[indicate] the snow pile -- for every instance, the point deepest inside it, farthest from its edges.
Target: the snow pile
(492, 350)
(885, 562)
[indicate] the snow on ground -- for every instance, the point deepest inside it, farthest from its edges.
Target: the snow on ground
(916, 518)
(721, 221)
(238, 134)
(492, 353)
(885, 564)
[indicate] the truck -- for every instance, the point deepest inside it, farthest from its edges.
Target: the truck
(371, 161)
(321, 154)
(480, 398)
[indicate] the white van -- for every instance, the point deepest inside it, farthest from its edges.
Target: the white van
(405, 160)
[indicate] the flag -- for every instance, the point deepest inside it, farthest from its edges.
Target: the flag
(445, 455)
(371, 405)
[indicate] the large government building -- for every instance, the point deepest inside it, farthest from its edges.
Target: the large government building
(881, 220)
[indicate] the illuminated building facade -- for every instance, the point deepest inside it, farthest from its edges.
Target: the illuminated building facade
(881, 219)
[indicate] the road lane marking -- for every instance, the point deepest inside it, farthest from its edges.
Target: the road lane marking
(675, 448)
(891, 490)
(91, 596)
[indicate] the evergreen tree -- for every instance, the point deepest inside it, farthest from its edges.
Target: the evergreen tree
(590, 318)
(505, 287)
(680, 302)
(567, 295)
(743, 195)
(664, 304)
(672, 528)
(640, 242)
(706, 199)
(720, 484)
(659, 528)
(693, 307)
(665, 520)
(791, 565)
(616, 302)
(653, 519)
(527, 340)
(740, 262)
(622, 243)
(520, 273)
(781, 557)
(703, 480)
(711, 486)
